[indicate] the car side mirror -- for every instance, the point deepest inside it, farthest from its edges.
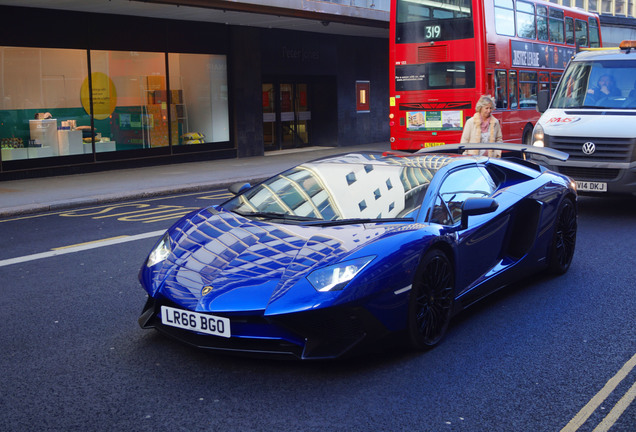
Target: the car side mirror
(477, 206)
(543, 101)
(237, 188)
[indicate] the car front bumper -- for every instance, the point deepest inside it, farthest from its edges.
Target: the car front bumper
(319, 334)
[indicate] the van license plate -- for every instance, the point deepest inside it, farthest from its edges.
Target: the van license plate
(591, 186)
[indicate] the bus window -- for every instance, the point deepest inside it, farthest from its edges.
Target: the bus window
(437, 76)
(542, 23)
(504, 18)
(544, 81)
(512, 85)
(595, 39)
(528, 89)
(433, 20)
(556, 26)
(581, 33)
(569, 30)
(525, 20)
(554, 80)
(501, 93)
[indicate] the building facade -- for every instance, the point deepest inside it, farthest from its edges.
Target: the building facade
(96, 84)
(84, 90)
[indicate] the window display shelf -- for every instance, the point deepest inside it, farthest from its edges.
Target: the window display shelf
(14, 154)
(26, 153)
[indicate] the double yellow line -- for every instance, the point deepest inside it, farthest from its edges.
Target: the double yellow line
(601, 396)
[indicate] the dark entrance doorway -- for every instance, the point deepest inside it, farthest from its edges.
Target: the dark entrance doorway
(286, 115)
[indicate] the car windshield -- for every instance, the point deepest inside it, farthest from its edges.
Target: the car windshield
(597, 84)
(350, 187)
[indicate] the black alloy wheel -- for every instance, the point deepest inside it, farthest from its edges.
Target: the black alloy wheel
(564, 238)
(431, 300)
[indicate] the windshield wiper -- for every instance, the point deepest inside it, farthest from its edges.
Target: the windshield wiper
(356, 221)
(275, 215)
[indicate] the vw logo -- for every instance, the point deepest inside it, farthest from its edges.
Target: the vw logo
(588, 148)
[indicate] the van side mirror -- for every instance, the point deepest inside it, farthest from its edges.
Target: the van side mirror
(543, 101)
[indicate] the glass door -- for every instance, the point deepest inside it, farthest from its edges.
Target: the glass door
(286, 123)
(287, 116)
(270, 140)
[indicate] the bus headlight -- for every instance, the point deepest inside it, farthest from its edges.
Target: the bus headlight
(537, 136)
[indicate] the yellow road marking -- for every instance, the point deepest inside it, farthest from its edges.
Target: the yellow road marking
(598, 399)
(205, 195)
(90, 242)
(618, 410)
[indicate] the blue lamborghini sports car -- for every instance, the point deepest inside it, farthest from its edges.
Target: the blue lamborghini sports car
(338, 253)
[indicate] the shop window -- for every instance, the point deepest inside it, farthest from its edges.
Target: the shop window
(198, 98)
(136, 116)
(48, 99)
(362, 96)
(40, 104)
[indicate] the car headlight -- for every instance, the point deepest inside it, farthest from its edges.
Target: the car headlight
(160, 252)
(537, 136)
(335, 277)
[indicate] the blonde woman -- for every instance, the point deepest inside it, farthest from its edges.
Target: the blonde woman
(483, 127)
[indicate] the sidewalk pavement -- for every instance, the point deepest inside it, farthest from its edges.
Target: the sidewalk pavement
(37, 195)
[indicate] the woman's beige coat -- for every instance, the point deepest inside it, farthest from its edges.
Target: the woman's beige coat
(472, 130)
(472, 134)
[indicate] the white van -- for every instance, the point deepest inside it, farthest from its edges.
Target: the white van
(592, 117)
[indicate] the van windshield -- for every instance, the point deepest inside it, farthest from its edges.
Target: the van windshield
(597, 84)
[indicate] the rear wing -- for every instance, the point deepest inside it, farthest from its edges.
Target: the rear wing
(516, 148)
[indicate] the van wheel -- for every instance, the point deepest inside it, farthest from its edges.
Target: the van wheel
(527, 135)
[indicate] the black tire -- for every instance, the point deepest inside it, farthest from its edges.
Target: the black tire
(431, 300)
(564, 238)
(527, 136)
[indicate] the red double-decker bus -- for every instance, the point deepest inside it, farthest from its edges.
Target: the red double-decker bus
(445, 54)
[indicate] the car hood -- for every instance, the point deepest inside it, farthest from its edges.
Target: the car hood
(223, 262)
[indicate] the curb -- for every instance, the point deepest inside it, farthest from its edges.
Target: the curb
(30, 209)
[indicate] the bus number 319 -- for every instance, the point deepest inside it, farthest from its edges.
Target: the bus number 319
(433, 32)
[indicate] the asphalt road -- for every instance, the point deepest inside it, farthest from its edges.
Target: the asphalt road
(547, 354)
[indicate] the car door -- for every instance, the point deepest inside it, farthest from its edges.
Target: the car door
(480, 244)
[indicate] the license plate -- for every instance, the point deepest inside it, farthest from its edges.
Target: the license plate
(195, 321)
(591, 186)
(433, 144)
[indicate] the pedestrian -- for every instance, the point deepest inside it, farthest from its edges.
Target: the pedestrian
(483, 127)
